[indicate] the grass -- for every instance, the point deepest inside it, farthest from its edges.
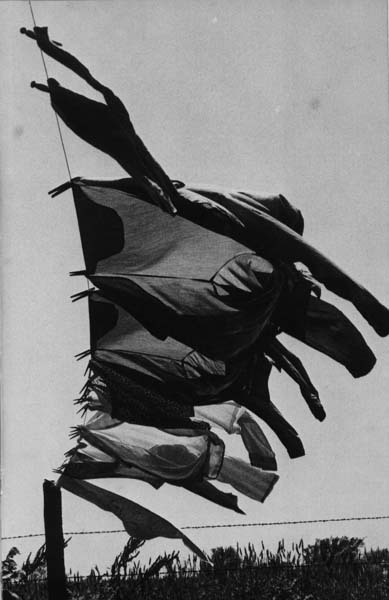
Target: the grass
(330, 569)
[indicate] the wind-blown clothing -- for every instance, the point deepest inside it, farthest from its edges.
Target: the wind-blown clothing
(108, 127)
(138, 521)
(235, 419)
(88, 462)
(187, 454)
(187, 315)
(153, 382)
(248, 480)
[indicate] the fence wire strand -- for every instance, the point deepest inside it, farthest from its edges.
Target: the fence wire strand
(220, 526)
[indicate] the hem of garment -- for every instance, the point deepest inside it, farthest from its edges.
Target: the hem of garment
(271, 486)
(265, 463)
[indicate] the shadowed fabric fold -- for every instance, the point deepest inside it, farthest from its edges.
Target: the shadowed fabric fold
(270, 227)
(235, 419)
(87, 462)
(176, 455)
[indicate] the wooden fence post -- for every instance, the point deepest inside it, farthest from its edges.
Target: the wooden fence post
(52, 510)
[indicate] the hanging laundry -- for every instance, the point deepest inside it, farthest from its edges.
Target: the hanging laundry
(235, 419)
(138, 521)
(172, 455)
(256, 443)
(325, 328)
(250, 481)
(252, 391)
(225, 415)
(186, 318)
(276, 240)
(177, 306)
(87, 462)
(153, 382)
(140, 379)
(109, 128)
(206, 490)
(285, 360)
(178, 279)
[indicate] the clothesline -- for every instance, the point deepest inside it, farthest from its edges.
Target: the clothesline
(227, 525)
(55, 114)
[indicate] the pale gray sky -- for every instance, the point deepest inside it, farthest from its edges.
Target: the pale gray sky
(272, 95)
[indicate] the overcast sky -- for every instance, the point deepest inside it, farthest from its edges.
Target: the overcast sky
(285, 96)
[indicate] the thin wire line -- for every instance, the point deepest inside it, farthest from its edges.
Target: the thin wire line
(56, 116)
(230, 525)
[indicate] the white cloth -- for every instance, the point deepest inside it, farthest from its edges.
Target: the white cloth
(223, 415)
(233, 418)
(182, 455)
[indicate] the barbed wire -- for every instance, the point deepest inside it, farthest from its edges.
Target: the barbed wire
(212, 570)
(219, 526)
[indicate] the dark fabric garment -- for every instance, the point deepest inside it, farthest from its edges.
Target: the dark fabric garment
(257, 227)
(176, 278)
(206, 490)
(270, 414)
(137, 364)
(121, 233)
(285, 360)
(137, 520)
(157, 382)
(275, 240)
(325, 328)
(137, 399)
(107, 126)
(257, 445)
(253, 393)
(220, 318)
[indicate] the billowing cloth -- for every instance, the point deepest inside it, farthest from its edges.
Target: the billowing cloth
(185, 308)
(87, 462)
(174, 455)
(178, 279)
(153, 382)
(248, 480)
(108, 127)
(274, 240)
(257, 229)
(325, 328)
(252, 391)
(150, 381)
(235, 419)
(188, 309)
(138, 521)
